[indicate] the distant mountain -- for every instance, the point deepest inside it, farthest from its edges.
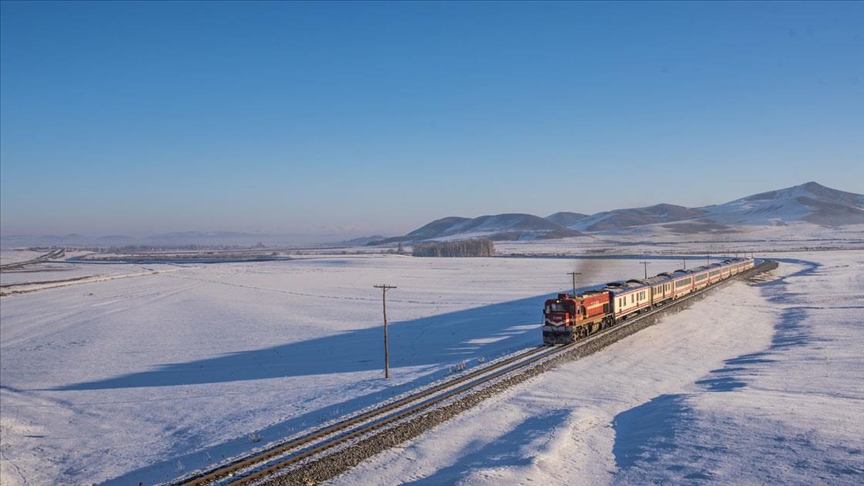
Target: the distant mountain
(116, 240)
(500, 227)
(363, 240)
(566, 219)
(626, 218)
(810, 202)
(437, 229)
(202, 238)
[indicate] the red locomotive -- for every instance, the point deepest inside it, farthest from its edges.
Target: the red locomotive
(572, 317)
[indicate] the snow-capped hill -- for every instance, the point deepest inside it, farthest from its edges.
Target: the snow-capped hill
(626, 218)
(435, 228)
(496, 227)
(810, 189)
(810, 202)
(807, 203)
(565, 218)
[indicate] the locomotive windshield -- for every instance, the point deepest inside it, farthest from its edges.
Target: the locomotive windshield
(555, 307)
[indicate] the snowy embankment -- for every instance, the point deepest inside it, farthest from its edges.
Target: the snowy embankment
(754, 385)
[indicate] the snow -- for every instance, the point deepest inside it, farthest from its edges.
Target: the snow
(758, 384)
(148, 378)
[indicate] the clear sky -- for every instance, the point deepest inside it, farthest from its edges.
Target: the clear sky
(139, 118)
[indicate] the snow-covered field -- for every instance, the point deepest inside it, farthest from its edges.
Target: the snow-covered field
(759, 384)
(145, 379)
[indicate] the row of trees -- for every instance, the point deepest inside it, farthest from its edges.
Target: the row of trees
(465, 248)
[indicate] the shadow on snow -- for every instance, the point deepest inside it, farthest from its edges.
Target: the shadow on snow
(644, 433)
(505, 451)
(483, 332)
(648, 432)
(487, 331)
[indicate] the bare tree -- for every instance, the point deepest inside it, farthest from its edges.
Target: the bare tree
(481, 247)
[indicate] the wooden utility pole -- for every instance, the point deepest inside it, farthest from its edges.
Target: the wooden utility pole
(384, 289)
(574, 280)
(645, 264)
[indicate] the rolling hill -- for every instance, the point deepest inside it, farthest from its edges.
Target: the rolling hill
(810, 203)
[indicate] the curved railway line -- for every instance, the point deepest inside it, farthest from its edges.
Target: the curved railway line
(58, 253)
(326, 452)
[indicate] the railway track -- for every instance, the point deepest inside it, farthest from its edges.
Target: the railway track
(287, 454)
(58, 253)
(364, 427)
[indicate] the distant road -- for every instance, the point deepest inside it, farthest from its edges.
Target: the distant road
(58, 253)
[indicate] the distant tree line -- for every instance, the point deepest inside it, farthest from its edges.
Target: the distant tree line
(138, 248)
(481, 247)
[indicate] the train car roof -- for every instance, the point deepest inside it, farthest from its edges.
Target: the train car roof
(625, 287)
(662, 277)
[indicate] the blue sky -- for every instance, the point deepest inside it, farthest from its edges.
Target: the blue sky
(378, 117)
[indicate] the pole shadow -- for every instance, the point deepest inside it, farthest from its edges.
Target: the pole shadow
(487, 332)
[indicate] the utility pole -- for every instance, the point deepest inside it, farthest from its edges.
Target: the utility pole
(574, 280)
(708, 259)
(645, 264)
(685, 263)
(384, 289)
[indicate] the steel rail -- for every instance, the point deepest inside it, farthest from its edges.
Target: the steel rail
(414, 411)
(285, 447)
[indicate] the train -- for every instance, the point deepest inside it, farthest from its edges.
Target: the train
(568, 318)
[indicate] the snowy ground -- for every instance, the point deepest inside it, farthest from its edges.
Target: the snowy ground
(147, 378)
(756, 385)
(659, 240)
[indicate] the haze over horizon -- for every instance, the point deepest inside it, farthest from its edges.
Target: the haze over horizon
(361, 118)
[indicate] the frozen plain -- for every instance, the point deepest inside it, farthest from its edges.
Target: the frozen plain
(148, 378)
